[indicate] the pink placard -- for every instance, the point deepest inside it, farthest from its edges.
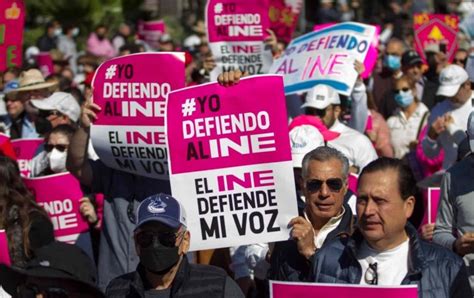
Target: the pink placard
(45, 63)
(197, 109)
(372, 54)
(302, 290)
(4, 252)
(353, 180)
(283, 16)
(6, 147)
(133, 89)
(151, 32)
(434, 194)
(25, 150)
(12, 21)
(243, 20)
(436, 29)
(59, 195)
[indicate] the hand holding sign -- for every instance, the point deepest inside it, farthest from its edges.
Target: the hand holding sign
(88, 114)
(230, 78)
(303, 234)
(464, 244)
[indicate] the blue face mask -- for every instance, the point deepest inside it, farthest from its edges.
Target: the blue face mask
(392, 62)
(404, 98)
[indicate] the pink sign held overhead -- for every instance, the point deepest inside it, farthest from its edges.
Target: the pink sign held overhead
(25, 150)
(436, 32)
(279, 289)
(283, 16)
(45, 63)
(59, 195)
(4, 252)
(12, 22)
(230, 147)
(151, 32)
(236, 30)
(132, 91)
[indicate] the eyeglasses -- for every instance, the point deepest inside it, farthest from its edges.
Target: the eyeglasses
(146, 238)
(31, 290)
(405, 89)
(47, 113)
(59, 147)
(334, 184)
(371, 276)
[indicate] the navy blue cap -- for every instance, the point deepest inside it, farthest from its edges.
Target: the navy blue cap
(11, 86)
(161, 208)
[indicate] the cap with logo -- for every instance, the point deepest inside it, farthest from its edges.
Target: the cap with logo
(411, 58)
(62, 102)
(10, 87)
(450, 79)
(303, 139)
(320, 97)
(162, 208)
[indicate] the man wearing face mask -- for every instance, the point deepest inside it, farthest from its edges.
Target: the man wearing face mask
(99, 45)
(162, 241)
(383, 80)
(48, 40)
(448, 119)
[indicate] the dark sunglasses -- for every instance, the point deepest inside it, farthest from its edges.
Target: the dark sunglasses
(371, 275)
(461, 61)
(334, 184)
(31, 290)
(59, 147)
(47, 113)
(145, 239)
(402, 89)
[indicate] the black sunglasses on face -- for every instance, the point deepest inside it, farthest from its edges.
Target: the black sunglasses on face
(47, 113)
(31, 290)
(461, 61)
(334, 184)
(59, 147)
(401, 89)
(146, 238)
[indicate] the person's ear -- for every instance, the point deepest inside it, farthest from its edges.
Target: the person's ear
(409, 206)
(184, 247)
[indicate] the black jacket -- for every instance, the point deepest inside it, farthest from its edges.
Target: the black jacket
(436, 271)
(191, 280)
(286, 262)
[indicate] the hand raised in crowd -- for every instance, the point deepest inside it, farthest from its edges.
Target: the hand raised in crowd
(303, 233)
(464, 244)
(88, 211)
(427, 231)
(88, 114)
(438, 126)
(230, 78)
(271, 41)
(209, 63)
(360, 68)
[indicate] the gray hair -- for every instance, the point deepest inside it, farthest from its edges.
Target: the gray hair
(325, 153)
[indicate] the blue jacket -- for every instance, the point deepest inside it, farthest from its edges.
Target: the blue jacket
(436, 271)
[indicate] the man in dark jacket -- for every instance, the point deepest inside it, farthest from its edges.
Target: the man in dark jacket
(386, 250)
(162, 242)
(324, 173)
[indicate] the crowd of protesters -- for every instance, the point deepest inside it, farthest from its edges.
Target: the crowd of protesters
(407, 127)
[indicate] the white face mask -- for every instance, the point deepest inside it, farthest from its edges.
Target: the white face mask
(57, 160)
(58, 31)
(75, 32)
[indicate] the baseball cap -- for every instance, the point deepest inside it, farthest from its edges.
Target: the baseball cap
(9, 87)
(303, 139)
(62, 102)
(316, 122)
(320, 97)
(410, 58)
(470, 130)
(161, 208)
(450, 79)
(59, 261)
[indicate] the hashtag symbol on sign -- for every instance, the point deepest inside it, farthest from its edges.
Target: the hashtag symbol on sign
(110, 71)
(188, 107)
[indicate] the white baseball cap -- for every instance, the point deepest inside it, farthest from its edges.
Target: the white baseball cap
(320, 97)
(60, 101)
(470, 130)
(451, 78)
(303, 139)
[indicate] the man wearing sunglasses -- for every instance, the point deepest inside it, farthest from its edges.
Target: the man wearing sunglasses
(324, 183)
(386, 249)
(59, 108)
(162, 241)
